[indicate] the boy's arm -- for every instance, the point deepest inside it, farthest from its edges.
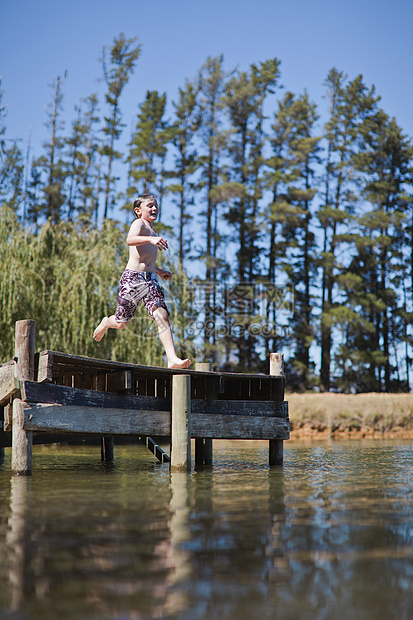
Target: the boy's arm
(162, 273)
(135, 237)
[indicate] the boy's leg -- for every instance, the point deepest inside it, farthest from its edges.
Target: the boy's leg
(165, 334)
(106, 323)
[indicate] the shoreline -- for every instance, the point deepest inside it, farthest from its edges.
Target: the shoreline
(324, 416)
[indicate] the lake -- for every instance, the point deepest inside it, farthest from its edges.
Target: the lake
(327, 536)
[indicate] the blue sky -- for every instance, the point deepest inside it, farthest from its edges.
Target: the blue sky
(40, 40)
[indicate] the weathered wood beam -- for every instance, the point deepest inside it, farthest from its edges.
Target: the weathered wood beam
(242, 408)
(8, 389)
(96, 420)
(32, 391)
(59, 394)
(7, 371)
(54, 363)
(104, 421)
(156, 450)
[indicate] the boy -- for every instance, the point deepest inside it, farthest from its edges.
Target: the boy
(139, 283)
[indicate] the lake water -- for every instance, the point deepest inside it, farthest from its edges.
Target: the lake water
(328, 536)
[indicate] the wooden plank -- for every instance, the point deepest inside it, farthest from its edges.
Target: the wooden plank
(156, 450)
(44, 371)
(241, 407)
(63, 363)
(50, 393)
(95, 420)
(239, 427)
(34, 392)
(8, 389)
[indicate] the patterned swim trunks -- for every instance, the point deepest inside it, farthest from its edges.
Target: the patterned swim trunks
(136, 286)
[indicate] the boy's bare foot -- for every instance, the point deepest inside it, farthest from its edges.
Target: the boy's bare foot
(101, 330)
(178, 363)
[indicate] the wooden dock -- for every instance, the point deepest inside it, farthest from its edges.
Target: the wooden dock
(62, 394)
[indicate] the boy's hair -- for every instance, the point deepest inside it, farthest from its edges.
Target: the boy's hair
(140, 199)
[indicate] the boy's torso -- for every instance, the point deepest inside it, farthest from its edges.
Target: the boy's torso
(143, 258)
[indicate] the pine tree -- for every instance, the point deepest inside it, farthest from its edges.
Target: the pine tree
(384, 162)
(212, 79)
(118, 62)
(11, 165)
(279, 211)
(186, 163)
(33, 196)
(292, 240)
(350, 103)
(52, 163)
(148, 148)
(83, 152)
(245, 96)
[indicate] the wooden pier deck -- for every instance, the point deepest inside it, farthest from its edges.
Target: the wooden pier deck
(58, 393)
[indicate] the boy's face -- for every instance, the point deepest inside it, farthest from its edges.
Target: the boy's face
(148, 210)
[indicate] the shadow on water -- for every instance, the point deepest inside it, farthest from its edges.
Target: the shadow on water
(329, 535)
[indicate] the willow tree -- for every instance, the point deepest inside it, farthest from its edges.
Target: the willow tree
(118, 62)
(66, 279)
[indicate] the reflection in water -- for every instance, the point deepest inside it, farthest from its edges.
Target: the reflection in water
(18, 541)
(329, 535)
(179, 557)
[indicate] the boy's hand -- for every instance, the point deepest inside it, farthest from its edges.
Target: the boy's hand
(160, 242)
(162, 273)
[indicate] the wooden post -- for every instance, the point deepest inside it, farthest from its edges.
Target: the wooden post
(203, 445)
(22, 441)
(276, 447)
(107, 448)
(181, 423)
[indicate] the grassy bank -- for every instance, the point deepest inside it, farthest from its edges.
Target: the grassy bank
(321, 416)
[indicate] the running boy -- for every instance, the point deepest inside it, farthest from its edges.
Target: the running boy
(139, 283)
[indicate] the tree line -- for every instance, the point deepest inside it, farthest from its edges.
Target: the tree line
(292, 232)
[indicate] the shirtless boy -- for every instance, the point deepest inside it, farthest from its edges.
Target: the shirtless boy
(139, 283)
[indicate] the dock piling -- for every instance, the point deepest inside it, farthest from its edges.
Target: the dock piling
(24, 356)
(203, 445)
(107, 449)
(181, 423)
(276, 446)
